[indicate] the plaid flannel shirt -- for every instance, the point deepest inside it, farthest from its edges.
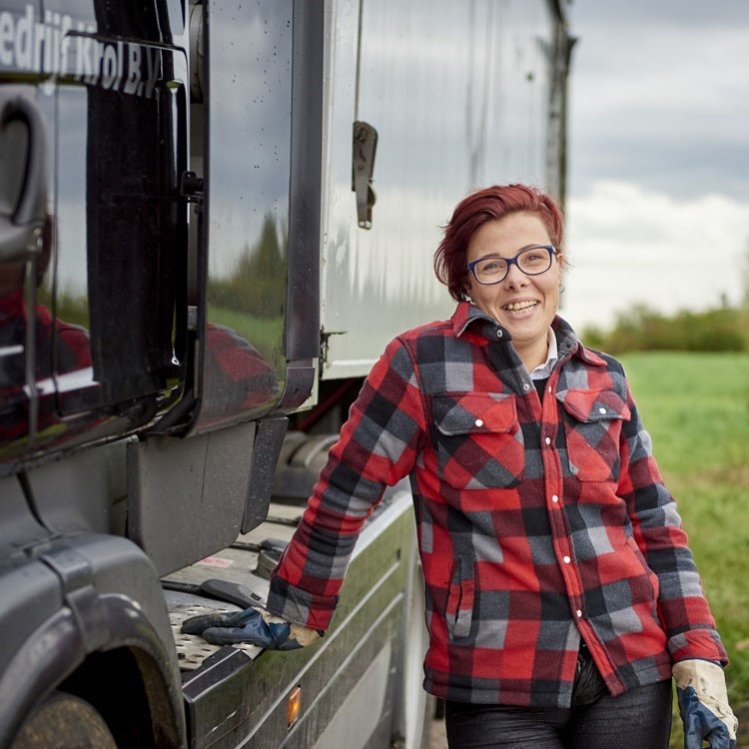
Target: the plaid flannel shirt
(540, 521)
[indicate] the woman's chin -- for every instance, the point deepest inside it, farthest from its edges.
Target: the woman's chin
(523, 323)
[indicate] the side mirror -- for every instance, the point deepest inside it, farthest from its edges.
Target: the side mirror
(21, 225)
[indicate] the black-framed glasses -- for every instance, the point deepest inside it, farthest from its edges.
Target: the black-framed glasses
(533, 261)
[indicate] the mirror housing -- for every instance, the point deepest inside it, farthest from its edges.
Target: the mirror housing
(21, 231)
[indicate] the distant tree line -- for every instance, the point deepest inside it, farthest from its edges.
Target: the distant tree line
(257, 286)
(70, 307)
(641, 328)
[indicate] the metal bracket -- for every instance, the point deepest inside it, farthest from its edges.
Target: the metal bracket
(191, 187)
(325, 340)
(365, 148)
(79, 593)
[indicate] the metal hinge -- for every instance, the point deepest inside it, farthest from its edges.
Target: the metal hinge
(191, 187)
(325, 344)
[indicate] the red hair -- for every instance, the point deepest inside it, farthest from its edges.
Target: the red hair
(474, 211)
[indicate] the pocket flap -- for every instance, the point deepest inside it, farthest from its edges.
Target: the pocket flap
(594, 405)
(474, 413)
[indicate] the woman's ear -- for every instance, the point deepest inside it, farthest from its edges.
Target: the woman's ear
(562, 271)
(467, 286)
(562, 263)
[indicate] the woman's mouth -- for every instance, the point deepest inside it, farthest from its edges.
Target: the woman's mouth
(520, 306)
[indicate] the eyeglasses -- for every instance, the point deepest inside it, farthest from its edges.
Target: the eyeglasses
(533, 261)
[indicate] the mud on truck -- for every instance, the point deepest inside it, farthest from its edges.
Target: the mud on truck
(213, 217)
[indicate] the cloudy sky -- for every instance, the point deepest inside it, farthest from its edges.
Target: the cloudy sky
(658, 199)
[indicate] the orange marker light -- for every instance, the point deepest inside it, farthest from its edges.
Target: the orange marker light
(294, 706)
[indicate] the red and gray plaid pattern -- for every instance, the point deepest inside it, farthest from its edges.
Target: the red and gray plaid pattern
(72, 351)
(540, 521)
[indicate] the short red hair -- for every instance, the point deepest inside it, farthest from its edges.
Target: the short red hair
(481, 206)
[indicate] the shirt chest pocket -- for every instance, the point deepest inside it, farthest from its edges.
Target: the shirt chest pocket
(478, 440)
(592, 424)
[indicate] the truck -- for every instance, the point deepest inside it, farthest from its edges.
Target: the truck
(213, 217)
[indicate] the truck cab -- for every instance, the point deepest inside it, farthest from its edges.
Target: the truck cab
(212, 220)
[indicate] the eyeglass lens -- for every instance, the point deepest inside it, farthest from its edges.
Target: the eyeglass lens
(531, 261)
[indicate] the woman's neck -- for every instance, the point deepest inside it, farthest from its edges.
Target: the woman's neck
(534, 354)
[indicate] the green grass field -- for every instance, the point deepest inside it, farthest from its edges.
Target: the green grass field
(696, 408)
(265, 334)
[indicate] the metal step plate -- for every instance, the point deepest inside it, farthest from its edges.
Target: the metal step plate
(193, 650)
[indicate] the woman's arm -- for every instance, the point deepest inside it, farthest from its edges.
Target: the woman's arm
(378, 446)
(682, 606)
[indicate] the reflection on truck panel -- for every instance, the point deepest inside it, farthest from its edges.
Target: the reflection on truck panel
(188, 305)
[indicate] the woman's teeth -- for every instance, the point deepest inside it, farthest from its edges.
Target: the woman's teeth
(517, 306)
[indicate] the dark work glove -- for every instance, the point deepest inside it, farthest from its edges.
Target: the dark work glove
(703, 705)
(249, 626)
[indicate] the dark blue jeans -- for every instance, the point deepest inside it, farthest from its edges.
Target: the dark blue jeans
(638, 719)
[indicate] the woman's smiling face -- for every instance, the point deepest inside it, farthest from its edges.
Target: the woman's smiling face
(523, 305)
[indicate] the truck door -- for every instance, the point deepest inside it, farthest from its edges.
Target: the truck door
(107, 309)
(259, 257)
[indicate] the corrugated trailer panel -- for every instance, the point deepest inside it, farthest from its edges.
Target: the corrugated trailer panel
(461, 95)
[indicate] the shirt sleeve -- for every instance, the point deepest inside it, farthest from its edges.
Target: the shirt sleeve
(682, 606)
(378, 446)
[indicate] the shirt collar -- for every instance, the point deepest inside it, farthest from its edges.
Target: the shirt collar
(568, 344)
(565, 342)
(465, 313)
(542, 371)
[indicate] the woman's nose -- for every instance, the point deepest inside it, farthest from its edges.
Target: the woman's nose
(515, 277)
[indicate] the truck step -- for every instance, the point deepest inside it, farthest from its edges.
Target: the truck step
(192, 650)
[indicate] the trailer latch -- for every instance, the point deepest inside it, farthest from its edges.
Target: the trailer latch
(365, 147)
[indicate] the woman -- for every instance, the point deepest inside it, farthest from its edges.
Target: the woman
(560, 588)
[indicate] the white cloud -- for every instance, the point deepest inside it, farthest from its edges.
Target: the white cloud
(658, 97)
(628, 244)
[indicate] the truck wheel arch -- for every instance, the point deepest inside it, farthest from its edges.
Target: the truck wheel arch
(111, 650)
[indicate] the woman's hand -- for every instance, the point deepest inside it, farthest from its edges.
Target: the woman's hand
(252, 625)
(703, 705)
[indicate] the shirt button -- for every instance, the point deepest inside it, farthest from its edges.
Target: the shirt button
(555, 498)
(479, 422)
(601, 410)
(579, 613)
(566, 559)
(526, 387)
(548, 440)
(500, 333)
